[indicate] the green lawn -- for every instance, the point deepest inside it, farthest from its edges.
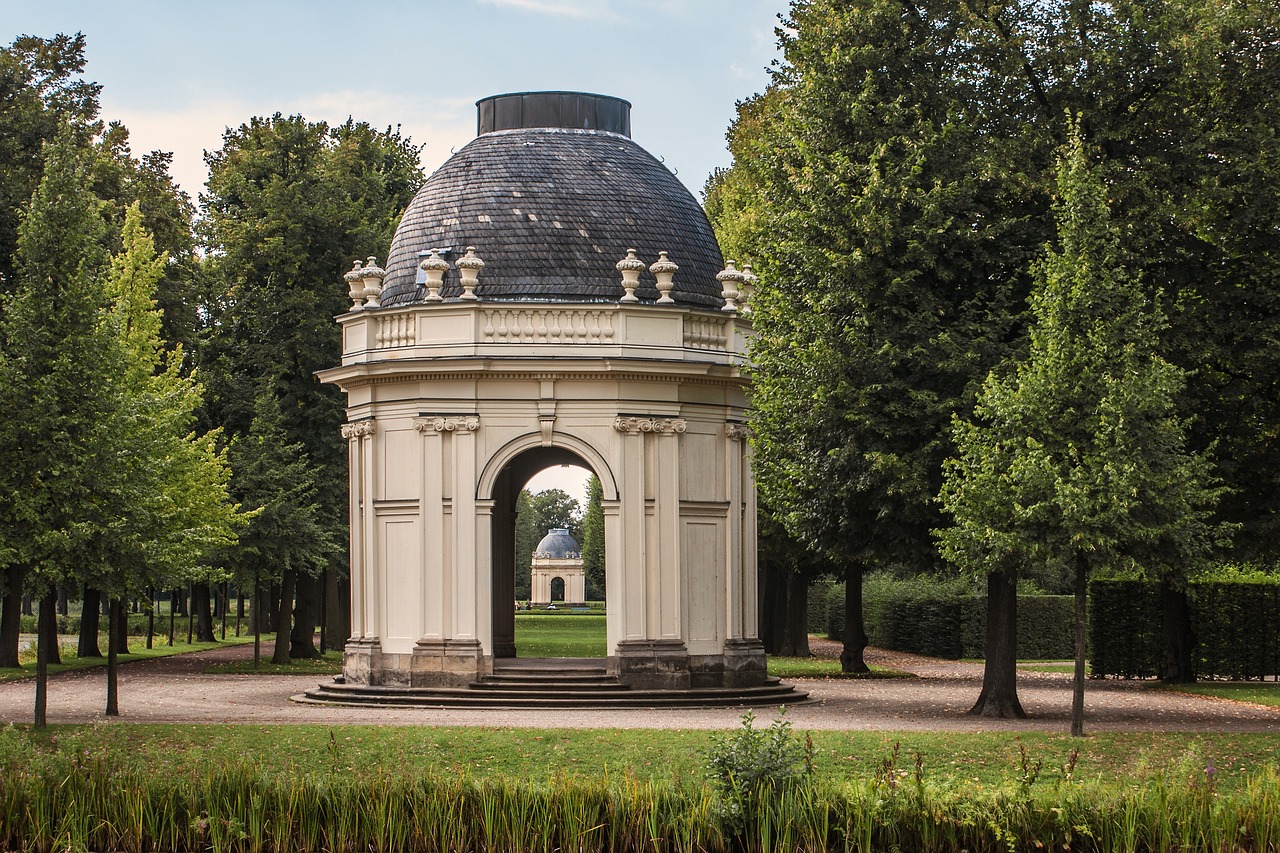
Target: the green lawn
(813, 667)
(330, 664)
(556, 635)
(137, 651)
(1257, 692)
(367, 751)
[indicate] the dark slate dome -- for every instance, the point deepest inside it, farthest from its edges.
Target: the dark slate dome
(552, 193)
(558, 545)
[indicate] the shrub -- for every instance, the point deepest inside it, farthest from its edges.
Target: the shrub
(753, 766)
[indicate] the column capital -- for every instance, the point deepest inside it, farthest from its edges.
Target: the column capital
(737, 432)
(357, 429)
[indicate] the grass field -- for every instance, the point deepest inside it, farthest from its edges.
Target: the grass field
(1257, 692)
(555, 635)
(367, 751)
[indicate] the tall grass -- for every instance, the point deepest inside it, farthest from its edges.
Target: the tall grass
(88, 805)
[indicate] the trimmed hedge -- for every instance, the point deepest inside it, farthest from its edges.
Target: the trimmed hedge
(943, 617)
(1234, 619)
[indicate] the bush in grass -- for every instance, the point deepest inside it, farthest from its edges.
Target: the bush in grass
(753, 766)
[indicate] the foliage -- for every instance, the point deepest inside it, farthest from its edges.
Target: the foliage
(57, 366)
(1232, 619)
(593, 538)
(945, 617)
(40, 95)
(79, 801)
(751, 767)
(1076, 458)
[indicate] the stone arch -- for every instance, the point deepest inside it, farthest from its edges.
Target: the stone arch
(587, 456)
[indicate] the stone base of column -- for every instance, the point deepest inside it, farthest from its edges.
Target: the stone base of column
(652, 664)
(362, 661)
(447, 663)
(745, 663)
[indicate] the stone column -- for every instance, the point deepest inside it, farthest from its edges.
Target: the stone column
(361, 660)
(652, 652)
(744, 657)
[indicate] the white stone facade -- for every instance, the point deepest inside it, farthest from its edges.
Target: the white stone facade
(453, 405)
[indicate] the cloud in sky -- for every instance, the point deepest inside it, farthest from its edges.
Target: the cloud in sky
(593, 9)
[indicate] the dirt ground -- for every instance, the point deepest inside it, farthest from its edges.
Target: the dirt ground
(176, 690)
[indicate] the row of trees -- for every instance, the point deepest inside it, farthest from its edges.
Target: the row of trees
(162, 422)
(1038, 240)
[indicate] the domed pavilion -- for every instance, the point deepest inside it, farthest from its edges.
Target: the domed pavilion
(553, 295)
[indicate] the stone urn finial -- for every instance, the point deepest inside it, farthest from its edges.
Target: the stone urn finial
(749, 280)
(630, 267)
(469, 267)
(355, 285)
(664, 270)
(730, 280)
(373, 276)
(433, 268)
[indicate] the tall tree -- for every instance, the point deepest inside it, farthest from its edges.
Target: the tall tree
(593, 537)
(57, 366)
(1076, 460)
(40, 93)
(289, 203)
(892, 185)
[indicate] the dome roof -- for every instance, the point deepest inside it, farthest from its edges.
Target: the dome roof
(557, 545)
(552, 194)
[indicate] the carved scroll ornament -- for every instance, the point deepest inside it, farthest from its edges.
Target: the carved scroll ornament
(447, 423)
(356, 430)
(661, 425)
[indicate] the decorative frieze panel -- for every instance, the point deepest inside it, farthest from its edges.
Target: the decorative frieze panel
(635, 425)
(396, 330)
(356, 430)
(447, 423)
(705, 333)
(548, 325)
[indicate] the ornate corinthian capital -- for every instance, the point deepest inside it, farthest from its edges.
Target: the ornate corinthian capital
(664, 425)
(357, 429)
(739, 432)
(447, 423)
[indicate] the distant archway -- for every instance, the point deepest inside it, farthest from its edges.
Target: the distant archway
(557, 590)
(502, 480)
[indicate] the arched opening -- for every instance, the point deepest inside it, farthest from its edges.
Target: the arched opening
(529, 493)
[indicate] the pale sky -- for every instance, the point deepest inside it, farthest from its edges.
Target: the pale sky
(177, 73)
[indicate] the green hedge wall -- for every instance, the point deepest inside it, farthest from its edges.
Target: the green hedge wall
(942, 617)
(1235, 622)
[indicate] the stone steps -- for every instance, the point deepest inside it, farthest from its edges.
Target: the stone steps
(550, 684)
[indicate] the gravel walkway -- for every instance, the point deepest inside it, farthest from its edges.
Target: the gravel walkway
(176, 690)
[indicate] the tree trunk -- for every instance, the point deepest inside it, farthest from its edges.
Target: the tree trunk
(284, 619)
(338, 612)
(11, 615)
(999, 696)
(113, 630)
(87, 647)
(795, 625)
(1178, 665)
(118, 637)
(178, 601)
(48, 617)
(1077, 683)
(50, 626)
(63, 603)
(200, 604)
(302, 637)
(855, 629)
(28, 602)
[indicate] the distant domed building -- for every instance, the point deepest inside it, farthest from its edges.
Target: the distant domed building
(556, 573)
(553, 295)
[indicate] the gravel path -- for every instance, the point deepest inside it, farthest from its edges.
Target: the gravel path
(176, 690)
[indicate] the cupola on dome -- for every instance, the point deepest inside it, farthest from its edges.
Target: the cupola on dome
(551, 193)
